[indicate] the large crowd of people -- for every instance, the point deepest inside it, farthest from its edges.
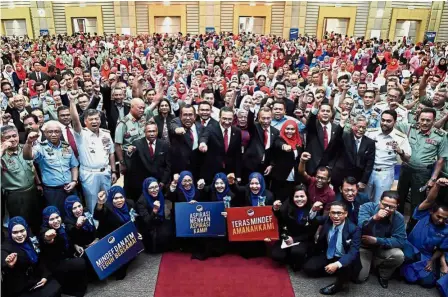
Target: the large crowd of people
(314, 128)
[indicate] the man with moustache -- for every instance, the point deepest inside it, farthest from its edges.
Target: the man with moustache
(96, 154)
(19, 180)
(30, 123)
(349, 195)
(57, 163)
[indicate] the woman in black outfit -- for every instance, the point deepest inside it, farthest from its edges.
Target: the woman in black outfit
(295, 226)
(163, 119)
(254, 194)
(182, 189)
(288, 149)
(156, 230)
(79, 224)
(218, 191)
(58, 254)
(112, 213)
(23, 271)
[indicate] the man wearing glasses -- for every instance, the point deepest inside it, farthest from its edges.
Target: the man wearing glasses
(337, 249)
(383, 237)
(280, 94)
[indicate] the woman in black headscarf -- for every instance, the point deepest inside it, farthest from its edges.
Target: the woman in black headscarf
(79, 224)
(93, 63)
(295, 227)
(23, 271)
(157, 230)
(60, 256)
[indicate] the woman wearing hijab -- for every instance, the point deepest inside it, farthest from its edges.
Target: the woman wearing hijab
(182, 189)
(79, 224)
(156, 230)
(254, 194)
(60, 256)
(288, 148)
(112, 211)
(19, 77)
(295, 226)
(374, 66)
(23, 271)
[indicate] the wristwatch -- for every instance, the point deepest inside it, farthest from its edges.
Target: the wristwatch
(75, 181)
(114, 171)
(122, 162)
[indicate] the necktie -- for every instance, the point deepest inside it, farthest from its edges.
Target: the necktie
(331, 251)
(325, 137)
(192, 136)
(356, 145)
(203, 123)
(38, 76)
(266, 137)
(71, 141)
(151, 150)
(226, 140)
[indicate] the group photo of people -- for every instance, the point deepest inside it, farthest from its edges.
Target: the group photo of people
(344, 138)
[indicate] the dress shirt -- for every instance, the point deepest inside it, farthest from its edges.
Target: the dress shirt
(228, 132)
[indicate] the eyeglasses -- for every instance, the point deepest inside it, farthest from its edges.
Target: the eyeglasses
(336, 213)
(391, 207)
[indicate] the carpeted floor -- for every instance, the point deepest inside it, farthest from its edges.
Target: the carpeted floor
(227, 276)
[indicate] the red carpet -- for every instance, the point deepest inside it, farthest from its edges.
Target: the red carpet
(226, 276)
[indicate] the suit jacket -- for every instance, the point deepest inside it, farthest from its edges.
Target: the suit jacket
(351, 241)
(15, 116)
(252, 158)
(348, 162)
(158, 119)
(211, 122)
(181, 150)
(353, 209)
(216, 156)
(143, 166)
(43, 77)
(315, 143)
(111, 110)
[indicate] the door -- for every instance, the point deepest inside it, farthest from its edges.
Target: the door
(84, 25)
(406, 28)
(336, 25)
(15, 27)
(251, 25)
(170, 25)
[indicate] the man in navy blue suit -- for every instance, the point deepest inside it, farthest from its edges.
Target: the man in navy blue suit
(337, 249)
(351, 197)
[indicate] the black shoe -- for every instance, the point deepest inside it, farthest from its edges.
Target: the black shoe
(330, 290)
(383, 282)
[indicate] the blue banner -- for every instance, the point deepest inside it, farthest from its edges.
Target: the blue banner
(44, 32)
(115, 250)
(293, 33)
(430, 36)
(209, 29)
(200, 219)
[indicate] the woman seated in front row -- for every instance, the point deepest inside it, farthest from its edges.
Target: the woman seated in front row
(23, 271)
(295, 227)
(60, 255)
(112, 211)
(253, 194)
(156, 229)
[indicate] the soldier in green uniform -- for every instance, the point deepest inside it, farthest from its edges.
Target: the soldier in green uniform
(129, 129)
(439, 103)
(428, 145)
(19, 191)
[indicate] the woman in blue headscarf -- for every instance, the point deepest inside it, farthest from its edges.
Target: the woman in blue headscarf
(22, 268)
(254, 194)
(60, 256)
(156, 230)
(295, 224)
(183, 189)
(79, 224)
(112, 211)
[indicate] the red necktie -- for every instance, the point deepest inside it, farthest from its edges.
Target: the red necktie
(325, 137)
(203, 123)
(192, 136)
(226, 140)
(151, 150)
(71, 141)
(266, 137)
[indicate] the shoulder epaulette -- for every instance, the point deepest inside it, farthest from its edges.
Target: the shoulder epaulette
(123, 120)
(45, 142)
(64, 143)
(400, 134)
(440, 132)
(372, 129)
(105, 130)
(415, 126)
(381, 103)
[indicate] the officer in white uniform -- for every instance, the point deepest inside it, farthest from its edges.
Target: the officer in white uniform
(389, 142)
(394, 98)
(96, 154)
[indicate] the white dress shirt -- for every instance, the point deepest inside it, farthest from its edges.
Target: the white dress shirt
(228, 132)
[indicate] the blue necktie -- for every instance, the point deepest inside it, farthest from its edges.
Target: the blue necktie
(331, 251)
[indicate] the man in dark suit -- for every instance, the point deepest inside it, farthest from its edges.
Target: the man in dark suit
(204, 117)
(149, 158)
(354, 155)
(114, 106)
(184, 137)
(222, 145)
(258, 156)
(320, 133)
(352, 198)
(37, 75)
(337, 249)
